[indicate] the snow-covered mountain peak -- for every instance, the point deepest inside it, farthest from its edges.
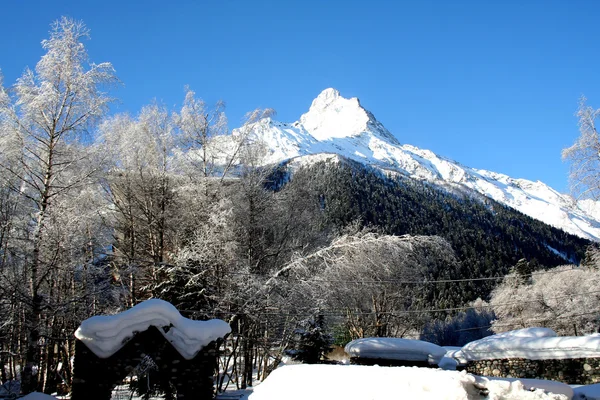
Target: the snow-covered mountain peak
(332, 116)
(337, 125)
(324, 99)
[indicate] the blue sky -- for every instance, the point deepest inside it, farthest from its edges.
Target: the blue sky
(491, 84)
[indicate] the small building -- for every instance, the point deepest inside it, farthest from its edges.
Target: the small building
(535, 353)
(394, 352)
(180, 354)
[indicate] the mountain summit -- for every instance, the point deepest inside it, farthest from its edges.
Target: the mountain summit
(332, 116)
(341, 126)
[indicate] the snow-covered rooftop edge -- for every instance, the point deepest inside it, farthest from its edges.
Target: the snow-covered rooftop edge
(106, 334)
(396, 349)
(532, 344)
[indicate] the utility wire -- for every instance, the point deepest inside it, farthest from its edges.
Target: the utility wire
(280, 275)
(531, 320)
(385, 281)
(279, 312)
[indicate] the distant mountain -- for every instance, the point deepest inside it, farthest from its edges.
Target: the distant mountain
(336, 125)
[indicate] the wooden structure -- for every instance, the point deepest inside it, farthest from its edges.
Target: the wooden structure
(175, 377)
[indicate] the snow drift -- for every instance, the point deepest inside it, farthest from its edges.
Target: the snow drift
(316, 382)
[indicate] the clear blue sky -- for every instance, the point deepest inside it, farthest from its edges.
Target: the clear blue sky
(491, 84)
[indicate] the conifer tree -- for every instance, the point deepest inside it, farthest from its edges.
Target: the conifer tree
(312, 341)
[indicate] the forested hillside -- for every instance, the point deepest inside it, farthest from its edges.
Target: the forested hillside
(488, 238)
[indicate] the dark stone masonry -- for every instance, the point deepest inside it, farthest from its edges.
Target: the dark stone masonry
(582, 371)
(384, 362)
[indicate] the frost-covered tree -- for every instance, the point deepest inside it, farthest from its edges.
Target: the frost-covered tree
(372, 279)
(461, 328)
(564, 298)
(591, 259)
(44, 116)
(203, 137)
(200, 280)
(142, 183)
(584, 154)
(206, 148)
(523, 270)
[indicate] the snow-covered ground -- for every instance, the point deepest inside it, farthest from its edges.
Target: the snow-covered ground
(373, 382)
(349, 382)
(105, 334)
(450, 361)
(589, 392)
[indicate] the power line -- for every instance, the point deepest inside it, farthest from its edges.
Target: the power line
(530, 320)
(281, 312)
(397, 281)
(279, 275)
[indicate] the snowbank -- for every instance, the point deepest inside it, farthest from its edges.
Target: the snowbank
(589, 392)
(396, 349)
(528, 333)
(452, 359)
(349, 382)
(105, 335)
(532, 344)
(530, 384)
(448, 363)
(38, 396)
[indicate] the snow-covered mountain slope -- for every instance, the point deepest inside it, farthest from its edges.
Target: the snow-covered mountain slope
(342, 126)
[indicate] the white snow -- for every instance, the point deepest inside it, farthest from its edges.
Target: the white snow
(106, 334)
(342, 126)
(38, 396)
(353, 382)
(532, 344)
(448, 363)
(589, 392)
(332, 116)
(395, 349)
(529, 384)
(451, 359)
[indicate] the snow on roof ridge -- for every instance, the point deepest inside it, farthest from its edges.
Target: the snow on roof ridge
(395, 349)
(106, 334)
(532, 344)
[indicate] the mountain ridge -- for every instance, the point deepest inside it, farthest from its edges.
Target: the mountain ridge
(337, 125)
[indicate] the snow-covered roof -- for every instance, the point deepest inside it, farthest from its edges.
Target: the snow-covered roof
(106, 334)
(326, 382)
(395, 349)
(532, 344)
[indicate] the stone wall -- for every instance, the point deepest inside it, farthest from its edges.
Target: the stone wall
(384, 362)
(582, 371)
